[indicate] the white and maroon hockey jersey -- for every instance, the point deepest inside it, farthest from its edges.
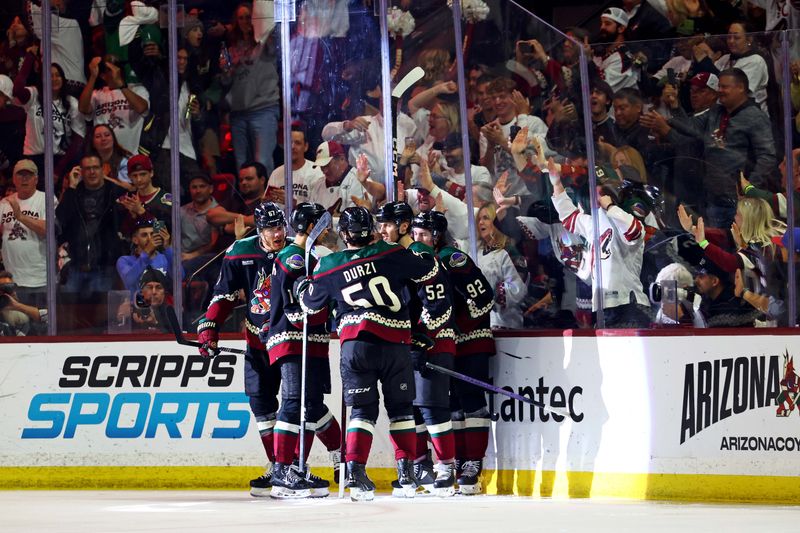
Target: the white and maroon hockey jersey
(621, 250)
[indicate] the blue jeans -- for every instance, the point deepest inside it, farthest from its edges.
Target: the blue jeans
(720, 213)
(100, 280)
(254, 135)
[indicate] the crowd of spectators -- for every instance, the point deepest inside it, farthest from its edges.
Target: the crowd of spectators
(690, 214)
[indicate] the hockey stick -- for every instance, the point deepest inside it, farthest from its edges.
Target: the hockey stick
(320, 226)
(493, 388)
(175, 327)
(399, 90)
(342, 448)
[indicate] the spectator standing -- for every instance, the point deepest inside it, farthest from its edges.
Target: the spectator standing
(198, 237)
(89, 220)
(613, 60)
(69, 126)
(342, 186)
(115, 103)
(252, 82)
(66, 43)
(102, 142)
(148, 201)
(23, 230)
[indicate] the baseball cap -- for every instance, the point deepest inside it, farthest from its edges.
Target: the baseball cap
(201, 176)
(6, 86)
(616, 14)
(452, 141)
(139, 162)
(707, 266)
(705, 79)
(326, 152)
(26, 165)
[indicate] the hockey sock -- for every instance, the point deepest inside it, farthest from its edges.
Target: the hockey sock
(422, 436)
(443, 440)
(476, 434)
(403, 435)
(286, 442)
(422, 443)
(265, 425)
(329, 432)
(459, 435)
(309, 438)
(359, 440)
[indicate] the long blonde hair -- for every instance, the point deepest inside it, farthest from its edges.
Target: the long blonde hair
(635, 160)
(759, 224)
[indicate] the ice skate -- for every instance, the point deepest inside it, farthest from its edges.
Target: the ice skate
(444, 486)
(261, 486)
(288, 484)
(423, 471)
(361, 488)
(319, 487)
(406, 481)
(469, 482)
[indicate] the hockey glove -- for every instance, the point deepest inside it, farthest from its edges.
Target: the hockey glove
(208, 337)
(301, 285)
(420, 344)
(263, 333)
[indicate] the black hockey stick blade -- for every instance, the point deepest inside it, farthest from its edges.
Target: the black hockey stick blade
(493, 388)
(322, 224)
(175, 327)
(408, 80)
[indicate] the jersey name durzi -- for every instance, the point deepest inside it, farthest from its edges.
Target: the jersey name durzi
(358, 271)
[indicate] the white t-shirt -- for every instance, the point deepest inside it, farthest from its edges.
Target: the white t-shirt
(184, 126)
(64, 123)
(301, 178)
(319, 192)
(24, 253)
(109, 106)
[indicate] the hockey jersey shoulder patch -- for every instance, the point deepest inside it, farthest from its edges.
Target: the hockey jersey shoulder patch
(295, 262)
(458, 259)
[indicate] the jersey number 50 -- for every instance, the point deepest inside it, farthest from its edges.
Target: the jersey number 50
(380, 292)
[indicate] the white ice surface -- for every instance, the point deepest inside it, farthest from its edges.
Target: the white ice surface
(232, 511)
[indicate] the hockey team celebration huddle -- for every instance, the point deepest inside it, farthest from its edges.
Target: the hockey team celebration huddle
(407, 307)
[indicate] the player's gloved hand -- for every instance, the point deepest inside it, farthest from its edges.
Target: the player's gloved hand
(420, 344)
(208, 337)
(419, 358)
(301, 285)
(263, 333)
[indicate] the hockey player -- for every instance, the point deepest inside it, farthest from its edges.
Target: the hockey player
(247, 266)
(365, 282)
(472, 303)
(284, 340)
(394, 223)
(432, 401)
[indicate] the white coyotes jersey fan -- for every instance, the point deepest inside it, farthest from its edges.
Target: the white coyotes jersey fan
(620, 254)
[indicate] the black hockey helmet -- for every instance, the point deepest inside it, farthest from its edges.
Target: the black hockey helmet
(356, 226)
(397, 212)
(433, 221)
(304, 215)
(268, 215)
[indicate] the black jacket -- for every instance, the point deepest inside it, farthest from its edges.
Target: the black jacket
(91, 247)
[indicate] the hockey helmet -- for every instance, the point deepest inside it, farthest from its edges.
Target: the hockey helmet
(268, 215)
(356, 226)
(433, 221)
(396, 212)
(304, 215)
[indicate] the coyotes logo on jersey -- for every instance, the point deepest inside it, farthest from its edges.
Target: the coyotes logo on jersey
(259, 303)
